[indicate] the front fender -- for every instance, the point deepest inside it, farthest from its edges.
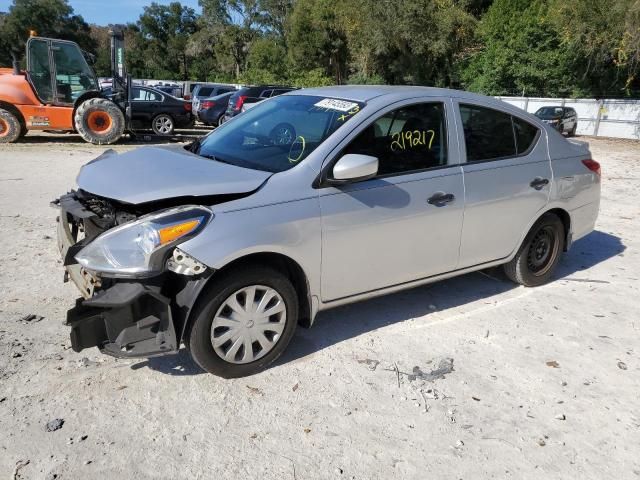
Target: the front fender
(292, 229)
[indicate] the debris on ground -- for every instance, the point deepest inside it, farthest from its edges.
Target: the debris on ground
(445, 367)
(31, 318)
(622, 365)
(372, 364)
(54, 425)
(19, 466)
(255, 390)
(561, 416)
(553, 364)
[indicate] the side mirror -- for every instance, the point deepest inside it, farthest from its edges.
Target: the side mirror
(354, 167)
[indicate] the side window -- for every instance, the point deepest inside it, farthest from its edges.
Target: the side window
(266, 94)
(525, 134)
(142, 95)
(280, 92)
(409, 139)
(487, 133)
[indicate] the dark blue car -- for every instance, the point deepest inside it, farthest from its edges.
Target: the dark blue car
(212, 109)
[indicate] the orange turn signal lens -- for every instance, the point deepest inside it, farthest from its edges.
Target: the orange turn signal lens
(173, 232)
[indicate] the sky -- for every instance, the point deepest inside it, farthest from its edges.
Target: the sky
(104, 12)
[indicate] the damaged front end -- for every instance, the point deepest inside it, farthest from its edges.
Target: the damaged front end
(137, 286)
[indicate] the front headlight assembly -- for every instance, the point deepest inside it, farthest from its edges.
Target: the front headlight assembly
(140, 248)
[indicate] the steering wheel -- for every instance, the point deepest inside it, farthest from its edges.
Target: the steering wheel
(283, 134)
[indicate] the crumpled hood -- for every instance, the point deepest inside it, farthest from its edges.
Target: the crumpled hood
(157, 173)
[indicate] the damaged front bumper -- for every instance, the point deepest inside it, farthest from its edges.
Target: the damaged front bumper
(125, 318)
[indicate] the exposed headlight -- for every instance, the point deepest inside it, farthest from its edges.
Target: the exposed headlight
(139, 248)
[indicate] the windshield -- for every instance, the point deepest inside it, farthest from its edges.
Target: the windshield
(549, 112)
(278, 134)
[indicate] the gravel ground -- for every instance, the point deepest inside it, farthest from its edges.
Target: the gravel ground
(469, 378)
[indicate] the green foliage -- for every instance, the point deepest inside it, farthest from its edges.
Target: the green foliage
(53, 18)
(496, 47)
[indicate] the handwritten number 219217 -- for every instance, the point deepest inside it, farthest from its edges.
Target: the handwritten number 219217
(411, 139)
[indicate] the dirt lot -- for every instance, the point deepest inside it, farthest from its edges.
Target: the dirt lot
(492, 381)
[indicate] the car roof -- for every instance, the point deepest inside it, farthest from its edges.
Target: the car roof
(365, 93)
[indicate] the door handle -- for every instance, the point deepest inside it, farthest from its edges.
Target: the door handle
(440, 199)
(539, 182)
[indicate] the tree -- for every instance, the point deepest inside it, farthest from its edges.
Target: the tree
(316, 39)
(603, 37)
(521, 53)
(166, 30)
(48, 18)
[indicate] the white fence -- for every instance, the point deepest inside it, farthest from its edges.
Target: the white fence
(600, 118)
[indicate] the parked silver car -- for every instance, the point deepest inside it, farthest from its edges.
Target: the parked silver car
(310, 200)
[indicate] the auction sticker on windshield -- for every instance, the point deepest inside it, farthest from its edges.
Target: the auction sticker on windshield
(333, 104)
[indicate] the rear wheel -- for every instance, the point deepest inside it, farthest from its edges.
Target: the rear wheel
(539, 254)
(243, 322)
(99, 121)
(572, 132)
(10, 127)
(163, 124)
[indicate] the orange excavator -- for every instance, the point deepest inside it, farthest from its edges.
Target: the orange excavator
(59, 91)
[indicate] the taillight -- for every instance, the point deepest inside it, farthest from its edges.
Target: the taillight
(593, 166)
(239, 101)
(187, 106)
(207, 104)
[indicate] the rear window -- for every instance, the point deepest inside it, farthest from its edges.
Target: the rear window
(487, 133)
(525, 133)
(205, 91)
(491, 134)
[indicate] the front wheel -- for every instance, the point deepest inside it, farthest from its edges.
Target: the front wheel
(243, 322)
(572, 132)
(99, 121)
(539, 254)
(163, 124)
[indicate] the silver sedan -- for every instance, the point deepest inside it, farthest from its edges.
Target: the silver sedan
(310, 200)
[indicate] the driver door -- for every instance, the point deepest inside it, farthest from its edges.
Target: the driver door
(388, 230)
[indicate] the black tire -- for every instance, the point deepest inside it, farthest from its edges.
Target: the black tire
(99, 121)
(10, 127)
(572, 132)
(23, 130)
(163, 124)
(198, 335)
(539, 254)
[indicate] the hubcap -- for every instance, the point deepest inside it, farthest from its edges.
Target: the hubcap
(542, 251)
(248, 324)
(164, 124)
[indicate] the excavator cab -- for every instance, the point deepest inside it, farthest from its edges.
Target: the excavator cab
(59, 71)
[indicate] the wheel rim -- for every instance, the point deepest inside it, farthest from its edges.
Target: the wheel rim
(4, 127)
(163, 124)
(283, 136)
(248, 324)
(99, 122)
(543, 250)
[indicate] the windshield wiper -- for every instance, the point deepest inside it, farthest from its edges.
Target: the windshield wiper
(195, 146)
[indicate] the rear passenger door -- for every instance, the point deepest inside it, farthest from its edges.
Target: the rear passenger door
(507, 176)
